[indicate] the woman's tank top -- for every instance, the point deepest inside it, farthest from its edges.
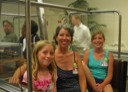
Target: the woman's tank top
(67, 81)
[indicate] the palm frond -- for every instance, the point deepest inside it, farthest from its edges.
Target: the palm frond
(81, 4)
(92, 9)
(94, 26)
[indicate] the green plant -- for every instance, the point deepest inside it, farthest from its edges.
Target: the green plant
(83, 4)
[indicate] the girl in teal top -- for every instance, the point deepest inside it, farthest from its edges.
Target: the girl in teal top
(100, 64)
(98, 68)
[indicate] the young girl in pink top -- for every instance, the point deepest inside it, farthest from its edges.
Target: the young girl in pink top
(43, 68)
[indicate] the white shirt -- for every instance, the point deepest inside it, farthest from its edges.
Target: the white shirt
(82, 37)
(24, 44)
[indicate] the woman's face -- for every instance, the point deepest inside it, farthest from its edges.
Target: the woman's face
(98, 41)
(46, 55)
(63, 38)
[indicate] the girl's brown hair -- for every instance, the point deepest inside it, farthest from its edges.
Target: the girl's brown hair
(96, 33)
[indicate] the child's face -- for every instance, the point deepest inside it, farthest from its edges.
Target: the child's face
(46, 55)
(98, 41)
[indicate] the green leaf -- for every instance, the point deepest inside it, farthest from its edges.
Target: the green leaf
(81, 4)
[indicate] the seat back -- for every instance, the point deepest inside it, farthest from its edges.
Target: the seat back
(119, 76)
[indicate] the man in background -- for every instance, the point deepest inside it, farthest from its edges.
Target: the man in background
(10, 36)
(82, 35)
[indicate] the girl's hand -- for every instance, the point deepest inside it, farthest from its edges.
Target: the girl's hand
(99, 88)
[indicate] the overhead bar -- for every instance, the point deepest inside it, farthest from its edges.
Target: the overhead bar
(37, 4)
(18, 15)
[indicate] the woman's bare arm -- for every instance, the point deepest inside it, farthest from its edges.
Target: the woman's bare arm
(90, 79)
(82, 79)
(15, 79)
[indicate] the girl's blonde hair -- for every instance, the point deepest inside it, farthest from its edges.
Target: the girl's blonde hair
(35, 63)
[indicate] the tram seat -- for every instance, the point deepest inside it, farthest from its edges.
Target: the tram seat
(119, 76)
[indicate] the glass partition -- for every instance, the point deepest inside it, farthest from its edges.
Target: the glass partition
(11, 56)
(10, 47)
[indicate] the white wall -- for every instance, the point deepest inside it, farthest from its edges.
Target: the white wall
(119, 5)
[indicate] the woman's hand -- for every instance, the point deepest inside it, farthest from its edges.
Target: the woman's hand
(14, 80)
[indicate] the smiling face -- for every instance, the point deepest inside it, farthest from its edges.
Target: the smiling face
(98, 40)
(63, 38)
(46, 55)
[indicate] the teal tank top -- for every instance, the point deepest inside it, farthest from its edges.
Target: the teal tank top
(98, 68)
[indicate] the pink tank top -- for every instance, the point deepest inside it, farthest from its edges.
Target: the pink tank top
(43, 84)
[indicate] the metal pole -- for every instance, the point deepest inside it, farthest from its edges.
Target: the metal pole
(28, 44)
(0, 8)
(40, 12)
(40, 25)
(119, 36)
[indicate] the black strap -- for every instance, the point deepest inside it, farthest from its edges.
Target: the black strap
(74, 56)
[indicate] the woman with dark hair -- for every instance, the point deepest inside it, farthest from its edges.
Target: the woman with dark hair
(69, 67)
